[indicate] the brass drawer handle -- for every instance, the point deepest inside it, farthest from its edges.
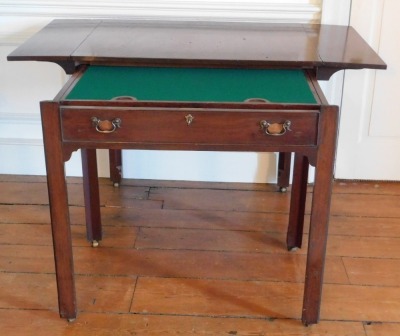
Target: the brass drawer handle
(125, 98)
(257, 101)
(106, 126)
(275, 129)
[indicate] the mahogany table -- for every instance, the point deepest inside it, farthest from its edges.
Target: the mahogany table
(244, 65)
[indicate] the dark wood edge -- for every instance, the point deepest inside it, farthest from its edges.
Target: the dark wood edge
(307, 150)
(107, 104)
(315, 87)
(71, 83)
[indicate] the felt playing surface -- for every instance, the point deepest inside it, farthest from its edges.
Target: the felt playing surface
(193, 84)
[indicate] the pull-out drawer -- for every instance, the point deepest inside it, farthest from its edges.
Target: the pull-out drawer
(188, 125)
(181, 106)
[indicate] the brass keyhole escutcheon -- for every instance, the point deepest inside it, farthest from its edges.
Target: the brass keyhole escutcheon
(189, 119)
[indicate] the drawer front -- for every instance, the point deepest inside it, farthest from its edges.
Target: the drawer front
(191, 126)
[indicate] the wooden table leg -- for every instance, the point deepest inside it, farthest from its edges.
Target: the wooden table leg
(115, 161)
(58, 198)
(284, 163)
(91, 196)
(320, 214)
(298, 197)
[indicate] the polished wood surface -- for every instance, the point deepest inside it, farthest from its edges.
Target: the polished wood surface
(115, 163)
(55, 43)
(151, 225)
(323, 48)
(58, 195)
(223, 126)
(68, 126)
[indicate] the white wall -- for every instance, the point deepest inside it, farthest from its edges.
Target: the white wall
(24, 84)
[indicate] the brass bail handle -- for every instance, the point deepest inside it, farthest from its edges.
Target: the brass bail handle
(257, 101)
(106, 126)
(125, 98)
(275, 129)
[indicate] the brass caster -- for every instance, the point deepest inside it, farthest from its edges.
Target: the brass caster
(116, 185)
(95, 243)
(293, 249)
(70, 320)
(282, 189)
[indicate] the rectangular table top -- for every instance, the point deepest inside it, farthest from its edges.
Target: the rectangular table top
(193, 84)
(323, 48)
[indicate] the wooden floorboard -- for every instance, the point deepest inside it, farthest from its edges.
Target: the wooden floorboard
(192, 258)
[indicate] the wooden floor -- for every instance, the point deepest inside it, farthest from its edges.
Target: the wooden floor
(199, 259)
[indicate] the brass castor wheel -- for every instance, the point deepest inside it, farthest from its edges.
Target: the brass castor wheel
(95, 243)
(70, 320)
(116, 185)
(282, 189)
(293, 249)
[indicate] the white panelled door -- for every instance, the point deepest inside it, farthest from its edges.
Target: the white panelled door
(369, 135)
